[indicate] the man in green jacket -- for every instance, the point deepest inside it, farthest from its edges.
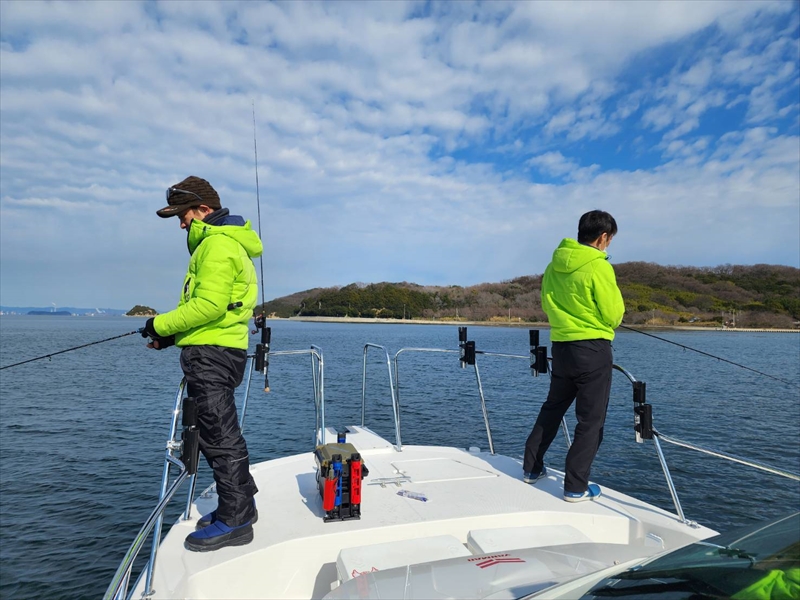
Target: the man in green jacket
(210, 325)
(584, 306)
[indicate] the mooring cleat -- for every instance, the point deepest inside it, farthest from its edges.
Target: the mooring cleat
(218, 535)
(592, 493)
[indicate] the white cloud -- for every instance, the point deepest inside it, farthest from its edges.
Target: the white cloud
(391, 136)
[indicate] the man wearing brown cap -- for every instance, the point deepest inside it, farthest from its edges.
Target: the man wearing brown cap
(210, 325)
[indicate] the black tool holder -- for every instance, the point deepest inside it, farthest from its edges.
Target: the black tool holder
(190, 437)
(642, 413)
(538, 354)
(262, 353)
(467, 348)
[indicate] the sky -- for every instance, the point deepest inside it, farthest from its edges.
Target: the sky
(444, 143)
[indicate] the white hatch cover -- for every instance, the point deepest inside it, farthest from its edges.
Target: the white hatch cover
(353, 562)
(432, 470)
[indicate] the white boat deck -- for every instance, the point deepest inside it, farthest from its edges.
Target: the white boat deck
(477, 505)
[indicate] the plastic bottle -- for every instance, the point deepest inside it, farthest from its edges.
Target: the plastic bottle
(413, 495)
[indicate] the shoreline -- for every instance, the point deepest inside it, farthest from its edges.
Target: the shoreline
(518, 324)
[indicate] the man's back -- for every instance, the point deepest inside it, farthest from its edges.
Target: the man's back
(580, 294)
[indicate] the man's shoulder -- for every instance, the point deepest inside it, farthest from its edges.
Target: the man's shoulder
(218, 242)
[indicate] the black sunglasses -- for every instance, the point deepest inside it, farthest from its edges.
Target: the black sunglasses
(173, 190)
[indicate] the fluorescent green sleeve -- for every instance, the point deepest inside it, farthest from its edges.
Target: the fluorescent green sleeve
(607, 295)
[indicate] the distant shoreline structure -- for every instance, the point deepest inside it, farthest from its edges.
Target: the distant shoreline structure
(50, 313)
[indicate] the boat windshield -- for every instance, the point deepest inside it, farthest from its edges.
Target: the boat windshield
(760, 562)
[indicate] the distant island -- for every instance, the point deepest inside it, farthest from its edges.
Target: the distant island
(141, 311)
(744, 296)
(51, 313)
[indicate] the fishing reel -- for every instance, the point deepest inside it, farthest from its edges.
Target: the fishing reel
(260, 322)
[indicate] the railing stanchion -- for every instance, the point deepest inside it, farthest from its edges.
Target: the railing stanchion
(320, 391)
(483, 408)
(364, 387)
(395, 407)
(565, 429)
(246, 392)
(148, 585)
(670, 483)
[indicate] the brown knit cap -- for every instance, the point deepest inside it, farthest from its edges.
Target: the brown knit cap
(192, 191)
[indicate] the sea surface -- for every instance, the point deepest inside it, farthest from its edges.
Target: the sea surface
(82, 435)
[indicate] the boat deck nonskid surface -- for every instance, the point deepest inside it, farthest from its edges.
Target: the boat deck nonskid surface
(477, 498)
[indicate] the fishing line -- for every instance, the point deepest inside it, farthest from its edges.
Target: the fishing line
(258, 204)
(70, 349)
(710, 355)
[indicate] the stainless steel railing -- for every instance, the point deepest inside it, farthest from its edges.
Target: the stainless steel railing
(392, 390)
(119, 587)
(656, 435)
(481, 394)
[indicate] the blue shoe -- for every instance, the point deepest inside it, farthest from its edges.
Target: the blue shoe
(593, 493)
(211, 517)
(218, 535)
(534, 477)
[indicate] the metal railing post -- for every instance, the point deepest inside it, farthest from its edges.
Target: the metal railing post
(672, 490)
(395, 407)
(151, 564)
(320, 390)
(122, 576)
(364, 387)
(247, 392)
(483, 408)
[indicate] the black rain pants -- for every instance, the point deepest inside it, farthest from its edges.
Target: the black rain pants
(581, 372)
(212, 374)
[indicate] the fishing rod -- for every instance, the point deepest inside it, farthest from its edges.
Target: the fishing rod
(71, 349)
(710, 355)
(262, 349)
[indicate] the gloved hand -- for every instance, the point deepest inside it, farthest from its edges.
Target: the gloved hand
(149, 329)
(156, 341)
(159, 343)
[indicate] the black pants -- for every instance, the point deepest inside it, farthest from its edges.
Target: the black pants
(212, 374)
(581, 372)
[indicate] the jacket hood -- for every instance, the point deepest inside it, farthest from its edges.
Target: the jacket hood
(243, 234)
(571, 255)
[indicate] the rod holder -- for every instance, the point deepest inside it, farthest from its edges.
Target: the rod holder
(190, 436)
(538, 354)
(467, 354)
(262, 355)
(642, 413)
(462, 340)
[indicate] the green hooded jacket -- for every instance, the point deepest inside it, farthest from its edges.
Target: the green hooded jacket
(220, 273)
(580, 294)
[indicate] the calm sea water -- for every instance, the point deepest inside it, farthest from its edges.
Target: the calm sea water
(82, 436)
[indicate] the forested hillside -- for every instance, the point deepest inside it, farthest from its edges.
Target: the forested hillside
(747, 296)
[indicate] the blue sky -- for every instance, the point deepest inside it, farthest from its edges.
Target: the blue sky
(438, 143)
